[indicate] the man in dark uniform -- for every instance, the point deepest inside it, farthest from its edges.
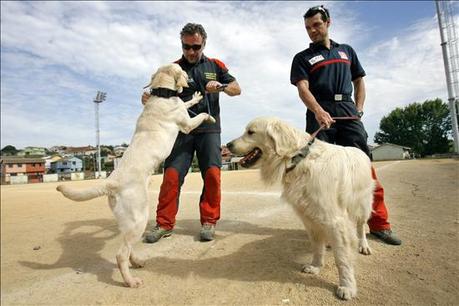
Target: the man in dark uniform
(324, 74)
(210, 77)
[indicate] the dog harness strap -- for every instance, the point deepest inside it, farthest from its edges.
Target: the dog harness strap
(163, 92)
(303, 152)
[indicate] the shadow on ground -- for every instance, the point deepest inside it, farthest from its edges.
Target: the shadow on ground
(82, 242)
(273, 257)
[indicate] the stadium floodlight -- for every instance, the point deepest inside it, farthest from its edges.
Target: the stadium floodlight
(100, 97)
(449, 44)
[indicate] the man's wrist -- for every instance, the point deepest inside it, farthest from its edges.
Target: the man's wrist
(360, 114)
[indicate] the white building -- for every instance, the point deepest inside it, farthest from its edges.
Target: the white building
(389, 151)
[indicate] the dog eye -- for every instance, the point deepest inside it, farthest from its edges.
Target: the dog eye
(250, 132)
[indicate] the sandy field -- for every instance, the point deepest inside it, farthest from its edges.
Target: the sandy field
(58, 252)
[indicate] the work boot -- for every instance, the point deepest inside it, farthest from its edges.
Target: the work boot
(387, 236)
(157, 233)
(207, 232)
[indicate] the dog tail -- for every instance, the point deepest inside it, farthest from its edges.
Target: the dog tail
(85, 194)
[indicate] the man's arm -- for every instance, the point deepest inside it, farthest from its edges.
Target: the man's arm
(311, 103)
(232, 89)
(359, 93)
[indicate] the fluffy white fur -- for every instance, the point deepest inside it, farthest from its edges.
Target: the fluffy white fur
(331, 190)
(126, 188)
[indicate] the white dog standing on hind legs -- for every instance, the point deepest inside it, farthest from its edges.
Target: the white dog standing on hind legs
(156, 130)
(330, 188)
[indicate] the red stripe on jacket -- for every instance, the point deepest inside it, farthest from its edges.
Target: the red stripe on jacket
(219, 63)
(329, 62)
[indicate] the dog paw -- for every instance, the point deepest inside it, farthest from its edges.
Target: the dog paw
(346, 293)
(310, 269)
(365, 250)
(210, 119)
(134, 282)
(197, 96)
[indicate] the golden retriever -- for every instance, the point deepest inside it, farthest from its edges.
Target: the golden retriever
(154, 136)
(330, 189)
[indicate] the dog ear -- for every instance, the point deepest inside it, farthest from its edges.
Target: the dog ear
(181, 79)
(282, 137)
(151, 81)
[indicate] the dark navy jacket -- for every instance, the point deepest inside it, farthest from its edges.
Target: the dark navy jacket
(329, 72)
(199, 74)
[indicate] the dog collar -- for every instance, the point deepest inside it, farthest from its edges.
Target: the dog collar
(302, 153)
(163, 92)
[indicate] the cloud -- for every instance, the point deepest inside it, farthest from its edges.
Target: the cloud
(406, 69)
(57, 55)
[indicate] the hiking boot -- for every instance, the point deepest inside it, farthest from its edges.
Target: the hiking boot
(157, 233)
(387, 236)
(207, 232)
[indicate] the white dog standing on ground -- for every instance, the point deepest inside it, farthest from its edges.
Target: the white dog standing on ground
(330, 189)
(154, 136)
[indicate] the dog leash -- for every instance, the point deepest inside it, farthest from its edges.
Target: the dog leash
(303, 152)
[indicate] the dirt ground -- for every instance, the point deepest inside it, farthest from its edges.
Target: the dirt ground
(58, 252)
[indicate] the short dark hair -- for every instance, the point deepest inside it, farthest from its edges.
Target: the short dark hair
(193, 28)
(318, 9)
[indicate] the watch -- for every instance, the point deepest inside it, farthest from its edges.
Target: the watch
(360, 114)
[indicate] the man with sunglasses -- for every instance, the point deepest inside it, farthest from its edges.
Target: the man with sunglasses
(325, 74)
(210, 77)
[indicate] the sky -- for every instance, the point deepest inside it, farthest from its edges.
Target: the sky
(55, 56)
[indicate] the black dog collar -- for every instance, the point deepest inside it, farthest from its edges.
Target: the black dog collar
(163, 92)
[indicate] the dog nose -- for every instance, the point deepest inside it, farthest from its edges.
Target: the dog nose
(230, 145)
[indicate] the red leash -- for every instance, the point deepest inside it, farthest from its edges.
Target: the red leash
(313, 135)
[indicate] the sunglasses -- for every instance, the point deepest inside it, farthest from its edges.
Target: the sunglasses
(194, 47)
(320, 9)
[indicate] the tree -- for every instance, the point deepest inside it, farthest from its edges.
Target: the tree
(424, 127)
(9, 150)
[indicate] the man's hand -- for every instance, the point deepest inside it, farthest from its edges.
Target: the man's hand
(145, 97)
(213, 87)
(324, 118)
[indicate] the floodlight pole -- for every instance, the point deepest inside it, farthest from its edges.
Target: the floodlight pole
(451, 61)
(100, 97)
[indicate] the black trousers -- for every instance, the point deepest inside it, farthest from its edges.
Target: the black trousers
(348, 133)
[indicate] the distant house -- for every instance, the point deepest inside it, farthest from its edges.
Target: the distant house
(389, 151)
(226, 154)
(12, 166)
(81, 151)
(232, 164)
(32, 151)
(67, 165)
(58, 149)
(50, 159)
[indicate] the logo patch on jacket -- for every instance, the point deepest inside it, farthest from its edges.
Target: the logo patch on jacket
(343, 55)
(316, 59)
(210, 76)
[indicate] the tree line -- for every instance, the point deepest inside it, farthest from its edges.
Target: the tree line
(424, 127)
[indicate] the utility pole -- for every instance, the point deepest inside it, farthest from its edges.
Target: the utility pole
(100, 97)
(449, 45)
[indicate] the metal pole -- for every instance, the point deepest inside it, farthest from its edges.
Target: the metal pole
(449, 82)
(98, 140)
(100, 97)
